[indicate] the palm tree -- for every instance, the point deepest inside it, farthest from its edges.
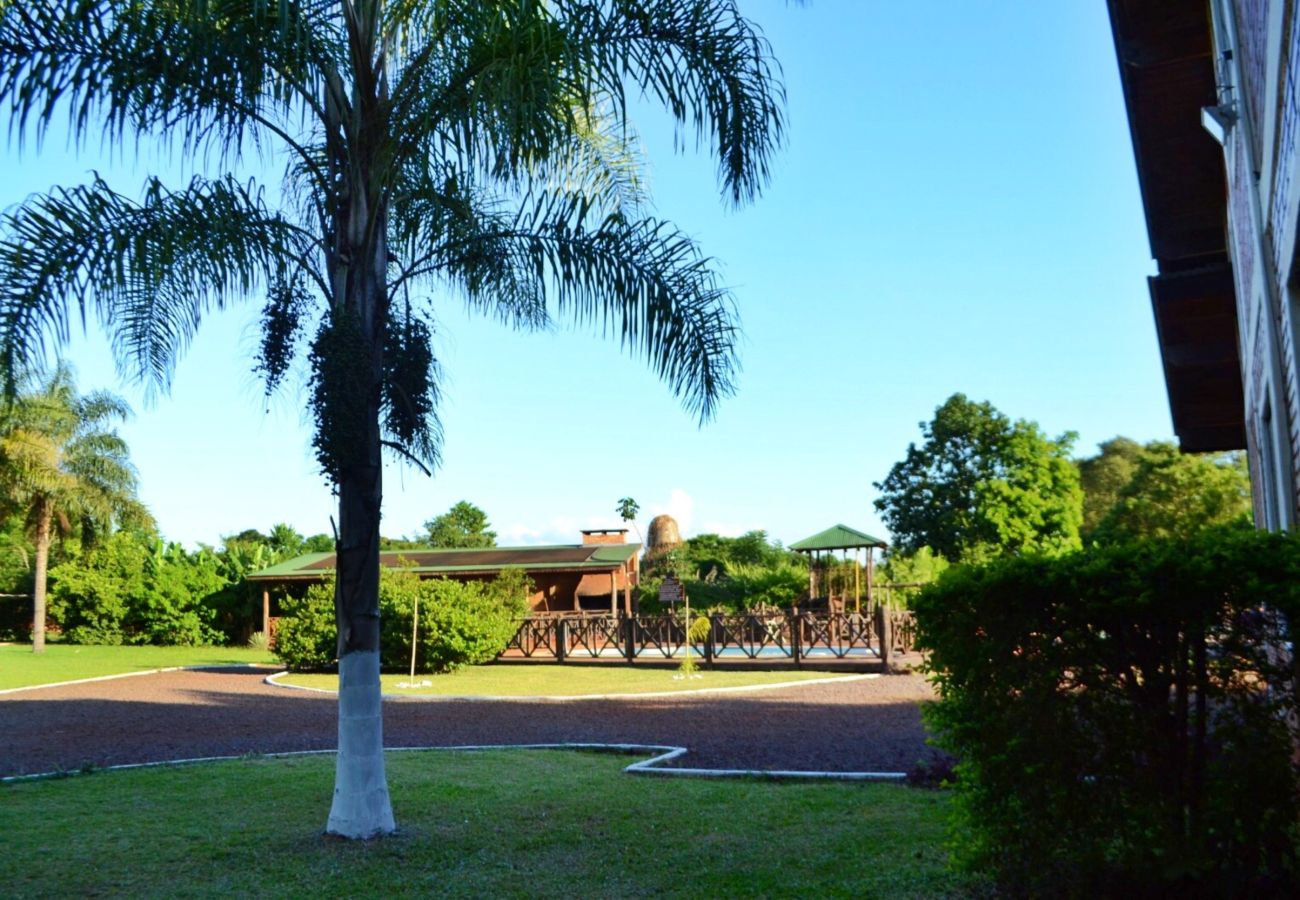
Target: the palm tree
(62, 464)
(473, 149)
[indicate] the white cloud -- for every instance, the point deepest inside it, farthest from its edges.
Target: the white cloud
(559, 530)
(681, 506)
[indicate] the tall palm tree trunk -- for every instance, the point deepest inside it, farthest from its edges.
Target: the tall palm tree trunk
(361, 807)
(43, 516)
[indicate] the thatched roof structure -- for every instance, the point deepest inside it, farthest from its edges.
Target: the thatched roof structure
(662, 536)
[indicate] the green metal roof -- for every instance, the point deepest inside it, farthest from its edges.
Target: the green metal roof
(428, 561)
(838, 537)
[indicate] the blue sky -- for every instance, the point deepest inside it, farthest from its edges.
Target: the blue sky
(956, 210)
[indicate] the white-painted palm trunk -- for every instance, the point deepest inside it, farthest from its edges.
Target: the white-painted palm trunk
(361, 807)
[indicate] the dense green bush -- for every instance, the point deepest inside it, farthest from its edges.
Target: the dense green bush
(729, 574)
(135, 589)
(746, 586)
(1120, 716)
(460, 623)
(307, 637)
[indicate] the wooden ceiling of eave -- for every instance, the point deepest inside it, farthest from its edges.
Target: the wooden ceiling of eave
(1196, 323)
(1167, 72)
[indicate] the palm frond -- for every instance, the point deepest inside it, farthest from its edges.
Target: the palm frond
(150, 270)
(641, 280)
(708, 65)
(193, 69)
(502, 86)
(492, 85)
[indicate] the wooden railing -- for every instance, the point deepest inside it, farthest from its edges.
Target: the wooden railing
(776, 638)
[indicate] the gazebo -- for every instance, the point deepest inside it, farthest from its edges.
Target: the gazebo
(843, 538)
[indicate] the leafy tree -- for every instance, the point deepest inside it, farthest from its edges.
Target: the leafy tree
(476, 147)
(920, 567)
(627, 510)
(1171, 494)
(980, 486)
(136, 588)
(705, 552)
(285, 540)
(63, 465)
(1103, 476)
(318, 543)
(464, 525)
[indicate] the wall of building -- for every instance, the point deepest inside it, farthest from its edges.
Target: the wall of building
(1258, 63)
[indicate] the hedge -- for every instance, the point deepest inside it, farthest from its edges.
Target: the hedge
(460, 623)
(1123, 716)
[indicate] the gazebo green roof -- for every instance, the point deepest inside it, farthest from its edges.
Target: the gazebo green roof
(838, 537)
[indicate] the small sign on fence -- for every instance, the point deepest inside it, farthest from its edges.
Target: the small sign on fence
(671, 592)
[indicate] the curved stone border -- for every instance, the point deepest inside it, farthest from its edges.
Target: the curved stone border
(652, 766)
(54, 684)
(274, 681)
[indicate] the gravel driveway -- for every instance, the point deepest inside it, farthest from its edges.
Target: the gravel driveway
(862, 725)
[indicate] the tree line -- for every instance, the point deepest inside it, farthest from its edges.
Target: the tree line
(980, 486)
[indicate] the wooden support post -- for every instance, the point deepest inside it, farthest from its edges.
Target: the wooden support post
(708, 642)
(795, 649)
(613, 593)
(630, 636)
(561, 639)
(857, 581)
(266, 612)
(870, 575)
(883, 635)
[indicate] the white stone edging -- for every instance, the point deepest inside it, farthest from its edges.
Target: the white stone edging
(55, 684)
(662, 754)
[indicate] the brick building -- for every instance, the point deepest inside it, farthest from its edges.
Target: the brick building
(1212, 89)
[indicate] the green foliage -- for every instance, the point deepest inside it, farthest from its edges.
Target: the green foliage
(307, 635)
(464, 525)
(627, 509)
(1103, 476)
(921, 567)
(460, 623)
(729, 574)
(1157, 491)
(1120, 716)
(135, 589)
(981, 486)
(468, 624)
(745, 587)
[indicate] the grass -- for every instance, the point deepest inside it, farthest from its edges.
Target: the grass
(20, 667)
(550, 679)
(500, 823)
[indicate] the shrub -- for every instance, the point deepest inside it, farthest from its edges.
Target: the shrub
(135, 589)
(459, 623)
(307, 636)
(1120, 715)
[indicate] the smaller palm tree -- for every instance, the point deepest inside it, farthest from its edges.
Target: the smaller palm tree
(64, 467)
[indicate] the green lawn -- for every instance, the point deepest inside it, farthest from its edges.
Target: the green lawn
(501, 823)
(550, 679)
(20, 667)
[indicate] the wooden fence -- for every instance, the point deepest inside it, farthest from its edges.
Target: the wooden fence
(775, 638)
